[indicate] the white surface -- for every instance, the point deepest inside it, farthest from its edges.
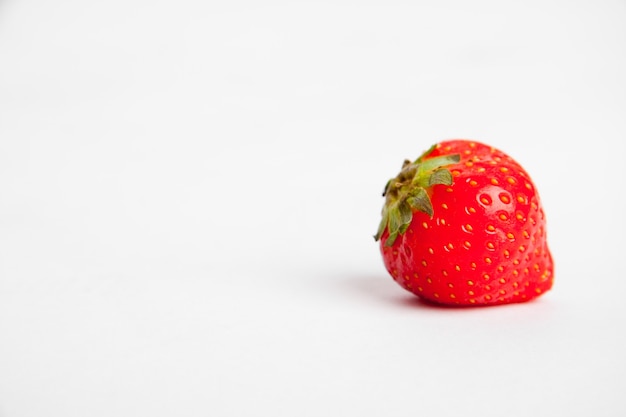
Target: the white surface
(188, 193)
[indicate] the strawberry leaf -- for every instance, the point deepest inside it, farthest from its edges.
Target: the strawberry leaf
(419, 200)
(395, 221)
(382, 225)
(440, 176)
(438, 162)
(406, 215)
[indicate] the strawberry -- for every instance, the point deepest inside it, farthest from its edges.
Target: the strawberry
(463, 225)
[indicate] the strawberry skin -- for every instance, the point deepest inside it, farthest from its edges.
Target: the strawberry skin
(463, 225)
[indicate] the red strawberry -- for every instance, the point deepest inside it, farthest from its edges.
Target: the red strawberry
(463, 225)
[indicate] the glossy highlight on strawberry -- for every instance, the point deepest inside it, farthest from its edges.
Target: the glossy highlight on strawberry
(463, 225)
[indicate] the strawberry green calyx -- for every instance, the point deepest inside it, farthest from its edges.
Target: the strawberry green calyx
(409, 192)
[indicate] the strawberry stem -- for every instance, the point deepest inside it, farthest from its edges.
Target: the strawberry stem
(408, 192)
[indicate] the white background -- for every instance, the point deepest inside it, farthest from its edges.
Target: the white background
(188, 194)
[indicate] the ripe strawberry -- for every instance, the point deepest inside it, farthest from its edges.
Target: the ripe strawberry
(463, 225)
